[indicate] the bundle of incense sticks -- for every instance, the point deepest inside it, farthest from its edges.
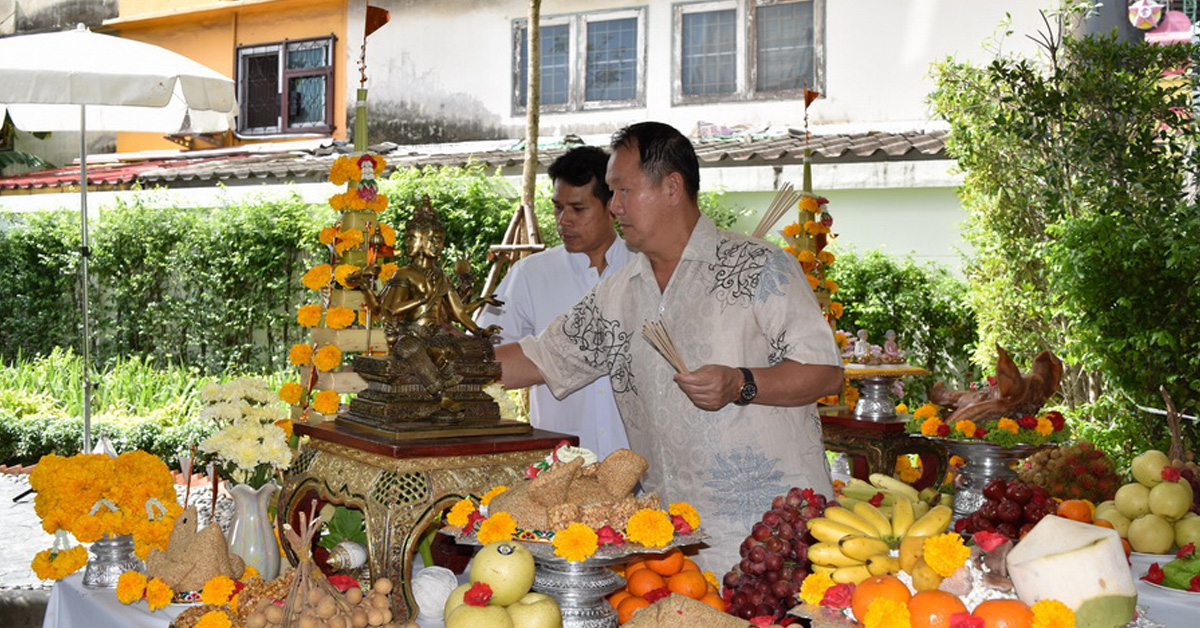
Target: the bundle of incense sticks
(656, 334)
(785, 199)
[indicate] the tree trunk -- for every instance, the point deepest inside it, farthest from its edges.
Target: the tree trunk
(533, 102)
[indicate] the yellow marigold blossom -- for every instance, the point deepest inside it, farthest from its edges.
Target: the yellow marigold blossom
(1008, 424)
(158, 594)
(248, 573)
(460, 512)
(909, 476)
(291, 392)
(498, 527)
(327, 402)
(576, 543)
(792, 230)
(887, 613)
(651, 528)
(811, 227)
(380, 164)
(363, 317)
(317, 277)
(901, 408)
(327, 235)
(1052, 614)
(1044, 426)
(966, 427)
(300, 354)
(308, 315)
(790, 250)
(339, 317)
(379, 204)
(285, 425)
(388, 233)
(214, 619)
(806, 256)
(217, 590)
(687, 511)
(825, 257)
(929, 427)
(926, 411)
(813, 282)
(809, 204)
(850, 395)
(51, 565)
(836, 309)
(957, 461)
(344, 270)
(946, 553)
(840, 338)
(348, 239)
(830, 285)
(344, 169)
(490, 495)
(131, 587)
(327, 358)
(387, 270)
(813, 589)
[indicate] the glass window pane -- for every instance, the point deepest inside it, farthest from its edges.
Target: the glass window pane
(612, 60)
(785, 46)
(709, 53)
(260, 73)
(306, 101)
(522, 44)
(307, 54)
(556, 68)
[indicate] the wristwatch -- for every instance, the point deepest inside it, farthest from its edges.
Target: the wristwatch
(749, 388)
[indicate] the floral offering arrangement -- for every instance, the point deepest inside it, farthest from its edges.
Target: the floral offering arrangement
(93, 495)
(1049, 427)
(253, 442)
(806, 240)
(1182, 573)
(134, 586)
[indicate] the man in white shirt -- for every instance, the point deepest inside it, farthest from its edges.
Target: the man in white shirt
(539, 288)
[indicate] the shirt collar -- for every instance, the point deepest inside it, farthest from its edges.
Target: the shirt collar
(701, 246)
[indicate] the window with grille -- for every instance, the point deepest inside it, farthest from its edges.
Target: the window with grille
(589, 61)
(746, 49)
(286, 87)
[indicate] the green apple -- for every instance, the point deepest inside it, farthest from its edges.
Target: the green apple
(507, 567)
(1105, 505)
(1170, 500)
(456, 599)
(536, 610)
(1133, 500)
(467, 616)
(1119, 521)
(1151, 534)
(1147, 468)
(1187, 530)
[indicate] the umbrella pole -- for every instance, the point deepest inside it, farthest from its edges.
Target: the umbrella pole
(84, 253)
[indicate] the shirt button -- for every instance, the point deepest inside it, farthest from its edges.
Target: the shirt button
(661, 309)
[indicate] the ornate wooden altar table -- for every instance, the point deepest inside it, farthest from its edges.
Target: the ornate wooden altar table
(402, 487)
(874, 445)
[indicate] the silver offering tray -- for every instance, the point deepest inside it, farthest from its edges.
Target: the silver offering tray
(984, 462)
(581, 586)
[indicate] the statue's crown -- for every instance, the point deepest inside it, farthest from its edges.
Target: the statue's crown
(425, 218)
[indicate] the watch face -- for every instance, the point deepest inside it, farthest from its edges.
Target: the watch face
(749, 391)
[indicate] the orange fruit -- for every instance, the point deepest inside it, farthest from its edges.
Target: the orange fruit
(1076, 509)
(1004, 614)
(932, 609)
(877, 587)
(712, 599)
(629, 606)
(615, 598)
(1103, 523)
(668, 564)
(689, 565)
(643, 581)
(634, 566)
(689, 583)
(1128, 548)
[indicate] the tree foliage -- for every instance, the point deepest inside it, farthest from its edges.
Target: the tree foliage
(1079, 166)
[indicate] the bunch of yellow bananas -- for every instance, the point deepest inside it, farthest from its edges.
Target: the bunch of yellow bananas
(855, 543)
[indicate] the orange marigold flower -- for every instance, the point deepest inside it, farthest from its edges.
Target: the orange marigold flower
(498, 527)
(885, 612)
(812, 590)
(1008, 424)
(327, 235)
(809, 204)
(343, 271)
(339, 317)
(792, 230)
(317, 277)
(387, 270)
(327, 402)
(1045, 426)
(158, 594)
(217, 590)
(131, 587)
(214, 619)
(490, 495)
(651, 528)
(300, 354)
(291, 392)
(348, 239)
(929, 427)
(285, 425)
(1052, 614)
(459, 514)
(388, 233)
(813, 282)
(576, 543)
(806, 256)
(308, 315)
(327, 358)
(946, 553)
(687, 511)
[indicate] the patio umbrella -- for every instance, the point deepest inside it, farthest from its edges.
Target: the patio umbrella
(79, 81)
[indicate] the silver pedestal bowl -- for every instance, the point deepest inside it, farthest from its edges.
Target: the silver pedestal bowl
(984, 462)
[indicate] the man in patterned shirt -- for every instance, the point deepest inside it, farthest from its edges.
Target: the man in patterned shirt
(740, 426)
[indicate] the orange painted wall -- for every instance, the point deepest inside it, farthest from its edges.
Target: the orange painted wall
(210, 33)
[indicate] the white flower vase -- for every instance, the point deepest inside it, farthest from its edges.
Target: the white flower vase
(252, 534)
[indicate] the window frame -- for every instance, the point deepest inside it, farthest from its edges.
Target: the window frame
(746, 37)
(577, 78)
(280, 49)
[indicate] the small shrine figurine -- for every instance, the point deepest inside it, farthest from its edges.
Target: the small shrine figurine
(892, 353)
(862, 347)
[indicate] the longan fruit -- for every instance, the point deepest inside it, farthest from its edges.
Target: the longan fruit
(380, 601)
(274, 614)
(359, 618)
(383, 585)
(354, 596)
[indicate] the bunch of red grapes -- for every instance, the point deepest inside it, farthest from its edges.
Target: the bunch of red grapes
(1191, 474)
(1009, 507)
(774, 557)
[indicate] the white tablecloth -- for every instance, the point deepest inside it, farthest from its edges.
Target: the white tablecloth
(73, 605)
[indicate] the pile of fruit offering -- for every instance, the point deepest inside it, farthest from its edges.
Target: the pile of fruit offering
(1158, 510)
(497, 594)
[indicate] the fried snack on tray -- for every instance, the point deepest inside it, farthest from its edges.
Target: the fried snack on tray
(189, 617)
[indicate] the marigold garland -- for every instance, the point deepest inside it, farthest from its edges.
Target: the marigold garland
(327, 402)
(575, 543)
(388, 233)
(343, 271)
(308, 315)
(490, 495)
(945, 553)
(966, 428)
(498, 527)
(812, 590)
(687, 511)
(459, 512)
(158, 594)
(327, 235)
(1052, 614)
(218, 590)
(348, 239)
(317, 277)
(327, 358)
(56, 565)
(291, 392)
(1008, 425)
(651, 528)
(339, 317)
(131, 587)
(887, 613)
(300, 354)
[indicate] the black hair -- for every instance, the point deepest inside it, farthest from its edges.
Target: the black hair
(662, 150)
(580, 166)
